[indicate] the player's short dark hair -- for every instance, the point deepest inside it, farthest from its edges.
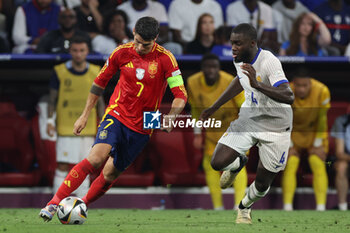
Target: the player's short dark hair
(79, 40)
(247, 30)
(147, 27)
(209, 56)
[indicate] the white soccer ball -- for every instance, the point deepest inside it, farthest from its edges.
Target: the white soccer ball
(72, 210)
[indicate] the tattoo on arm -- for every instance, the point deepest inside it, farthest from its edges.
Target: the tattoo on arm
(96, 90)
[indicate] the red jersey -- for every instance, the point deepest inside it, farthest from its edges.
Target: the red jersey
(141, 84)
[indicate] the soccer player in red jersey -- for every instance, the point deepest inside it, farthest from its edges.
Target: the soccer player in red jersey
(146, 68)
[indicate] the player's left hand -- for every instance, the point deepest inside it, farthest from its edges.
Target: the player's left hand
(249, 70)
(167, 120)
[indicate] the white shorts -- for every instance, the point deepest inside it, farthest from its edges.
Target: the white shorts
(273, 146)
(73, 149)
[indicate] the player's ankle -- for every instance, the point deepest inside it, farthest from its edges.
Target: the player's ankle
(241, 206)
(321, 207)
(55, 200)
(288, 207)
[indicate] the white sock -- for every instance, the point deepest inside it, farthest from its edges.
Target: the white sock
(253, 195)
(343, 206)
(321, 207)
(219, 208)
(58, 179)
(233, 166)
(83, 188)
(288, 207)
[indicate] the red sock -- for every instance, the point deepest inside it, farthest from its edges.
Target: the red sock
(99, 187)
(75, 177)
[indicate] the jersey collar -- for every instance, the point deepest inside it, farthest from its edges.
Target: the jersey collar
(256, 56)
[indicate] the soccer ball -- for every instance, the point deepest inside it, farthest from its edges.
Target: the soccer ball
(72, 210)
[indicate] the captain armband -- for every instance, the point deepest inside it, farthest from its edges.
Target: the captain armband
(96, 90)
(177, 87)
(175, 81)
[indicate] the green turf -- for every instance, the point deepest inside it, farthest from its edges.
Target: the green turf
(166, 221)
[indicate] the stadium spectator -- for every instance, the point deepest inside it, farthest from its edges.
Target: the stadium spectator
(115, 33)
(336, 16)
(258, 14)
(69, 86)
(184, 15)
(136, 9)
(341, 132)
(89, 17)
(31, 21)
(205, 37)
(309, 137)
(290, 10)
(121, 135)
(58, 41)
(222, 46)
(4, 45)
(203, 89)
(309, 35)
(265, 118)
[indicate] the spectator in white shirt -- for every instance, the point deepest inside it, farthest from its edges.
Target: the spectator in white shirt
(184, 15)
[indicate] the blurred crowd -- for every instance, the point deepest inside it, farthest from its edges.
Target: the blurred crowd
(285, 27)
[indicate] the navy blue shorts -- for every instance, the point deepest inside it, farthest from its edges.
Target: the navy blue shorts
(126, 143)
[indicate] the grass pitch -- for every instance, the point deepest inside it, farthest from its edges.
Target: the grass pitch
(135, 220)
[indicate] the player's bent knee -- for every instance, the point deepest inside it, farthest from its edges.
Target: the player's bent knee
(99, 154)
(110, 174)
(216, 165)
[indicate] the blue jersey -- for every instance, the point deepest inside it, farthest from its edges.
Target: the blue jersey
(338, 22)
(40, 21)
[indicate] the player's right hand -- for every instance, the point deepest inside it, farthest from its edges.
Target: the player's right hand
(79, 125)
(207, 113)
(50, 129)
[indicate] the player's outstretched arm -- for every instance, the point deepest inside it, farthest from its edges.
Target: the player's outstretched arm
(282, 93)
(95, 92)
(51, 108)
(231, 91)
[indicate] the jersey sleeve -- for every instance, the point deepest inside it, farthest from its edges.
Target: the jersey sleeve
(274, 70)
(322, 117)
(325, 98)
(173, 76)
(54, 81)
(109, 69)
